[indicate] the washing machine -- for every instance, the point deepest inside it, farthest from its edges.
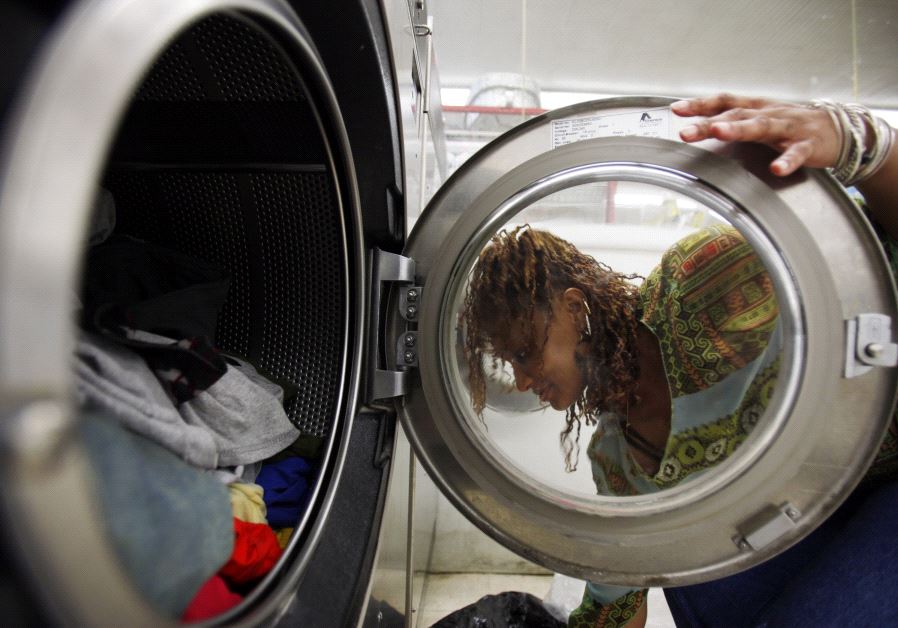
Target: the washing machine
(286, 142)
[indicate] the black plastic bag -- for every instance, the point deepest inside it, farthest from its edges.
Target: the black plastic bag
(511, 609)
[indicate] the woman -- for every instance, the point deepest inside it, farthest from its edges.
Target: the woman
(679, 369)
(583, 339)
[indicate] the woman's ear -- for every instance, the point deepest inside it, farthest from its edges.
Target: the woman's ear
(574, 300)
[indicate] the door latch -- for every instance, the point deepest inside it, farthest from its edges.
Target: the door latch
(869, 343)
(766, 527)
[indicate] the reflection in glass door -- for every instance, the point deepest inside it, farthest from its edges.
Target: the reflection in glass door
(618, 338)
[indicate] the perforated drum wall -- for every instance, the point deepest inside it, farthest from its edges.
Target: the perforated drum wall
(224, 58)
(278, 235)
(262, 208)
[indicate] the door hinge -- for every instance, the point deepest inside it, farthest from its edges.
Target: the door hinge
(386, 383)
(869, 343)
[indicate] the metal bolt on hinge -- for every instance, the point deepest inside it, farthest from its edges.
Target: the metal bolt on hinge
(409, 302)
(406, 349)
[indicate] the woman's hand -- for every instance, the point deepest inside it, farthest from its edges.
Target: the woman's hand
(804, 136)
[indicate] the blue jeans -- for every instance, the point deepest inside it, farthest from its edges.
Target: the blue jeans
(845, 573)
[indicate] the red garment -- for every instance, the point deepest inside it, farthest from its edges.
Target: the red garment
(256, 550)
(213, 598)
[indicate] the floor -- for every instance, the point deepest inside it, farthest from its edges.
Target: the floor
(445, 593)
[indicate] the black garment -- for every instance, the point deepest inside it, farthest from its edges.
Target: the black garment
(137, 285)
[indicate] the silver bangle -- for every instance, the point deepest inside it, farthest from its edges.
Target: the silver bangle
(846, 171)
(830, 107)
(854, 124)
(884, 138)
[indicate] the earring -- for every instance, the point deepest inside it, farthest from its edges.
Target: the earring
(588, 333)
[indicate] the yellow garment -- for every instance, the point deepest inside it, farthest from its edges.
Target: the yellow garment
(283, 535)
(247, 502)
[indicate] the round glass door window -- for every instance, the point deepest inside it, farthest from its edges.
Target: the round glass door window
(617, 338)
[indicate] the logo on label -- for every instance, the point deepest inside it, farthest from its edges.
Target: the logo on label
(648, 123)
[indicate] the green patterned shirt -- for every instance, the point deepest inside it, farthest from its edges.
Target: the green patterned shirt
(711, 304)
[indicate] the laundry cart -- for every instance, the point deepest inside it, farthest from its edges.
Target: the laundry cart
(214, 193)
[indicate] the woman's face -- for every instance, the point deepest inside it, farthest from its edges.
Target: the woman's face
(548, 366)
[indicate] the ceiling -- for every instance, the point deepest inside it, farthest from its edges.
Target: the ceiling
(793, 49)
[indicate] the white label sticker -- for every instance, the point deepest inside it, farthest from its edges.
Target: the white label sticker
(648, 123)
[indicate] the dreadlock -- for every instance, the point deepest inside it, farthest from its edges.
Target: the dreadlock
(524, 269)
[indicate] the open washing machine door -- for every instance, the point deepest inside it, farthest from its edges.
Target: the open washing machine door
(611, 177)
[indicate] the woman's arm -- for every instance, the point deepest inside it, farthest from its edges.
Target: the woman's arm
(881, 193)
(802, 134)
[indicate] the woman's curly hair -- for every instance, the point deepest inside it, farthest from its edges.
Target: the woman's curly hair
(521, 271)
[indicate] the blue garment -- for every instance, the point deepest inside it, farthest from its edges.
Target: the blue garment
(842, 574)
(286, 486)
(169, 523)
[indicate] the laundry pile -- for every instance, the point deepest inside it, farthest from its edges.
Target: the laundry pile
(200, 474)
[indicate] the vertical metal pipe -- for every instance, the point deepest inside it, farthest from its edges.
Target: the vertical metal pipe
(855, 92)
(409, 549)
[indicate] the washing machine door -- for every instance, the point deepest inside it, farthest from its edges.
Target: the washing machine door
(801, 414)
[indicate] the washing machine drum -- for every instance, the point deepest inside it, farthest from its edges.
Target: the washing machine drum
(179, 167)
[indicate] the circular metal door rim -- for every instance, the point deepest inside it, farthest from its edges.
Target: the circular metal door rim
(790, 308)
(65, 118)
(663, 549)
